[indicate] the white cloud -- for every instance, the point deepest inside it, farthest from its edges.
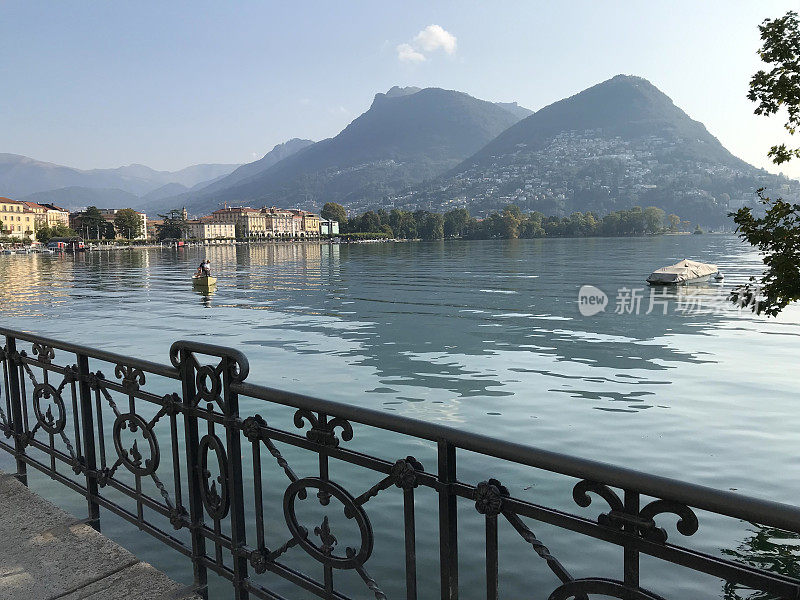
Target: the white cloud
(406, 53)
(434, 37)
(430, 39)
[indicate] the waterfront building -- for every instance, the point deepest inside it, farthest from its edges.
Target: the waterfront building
(152, 228)
(328, 227)
(280, 222)
(248, 222)
(55, 215)
(17, 218)
(309, 223)
(206, 228)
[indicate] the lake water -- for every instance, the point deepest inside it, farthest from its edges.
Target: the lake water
(485, 336)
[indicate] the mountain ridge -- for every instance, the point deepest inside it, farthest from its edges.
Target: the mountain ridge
(614, 145)
(406, 136)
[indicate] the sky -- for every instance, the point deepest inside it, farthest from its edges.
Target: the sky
(97, 84)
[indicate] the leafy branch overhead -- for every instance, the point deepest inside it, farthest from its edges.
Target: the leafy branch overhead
(780, 86)
(777, 233)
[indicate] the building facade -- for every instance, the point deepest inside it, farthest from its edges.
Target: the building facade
(17, 219)
(310, 224)
(55, 215)
(328, 227)
(280, 222)
(208, 229)
(248, 222)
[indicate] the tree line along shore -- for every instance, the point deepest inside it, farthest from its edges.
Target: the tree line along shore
(508, 223)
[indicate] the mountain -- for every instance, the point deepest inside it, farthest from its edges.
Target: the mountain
(615, 145)
(406, 136)
(21, 176)
(245, 172)
(165, 191)
(76, 197)
(515, 109)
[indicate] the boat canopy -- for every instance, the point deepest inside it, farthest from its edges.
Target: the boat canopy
(685, 270)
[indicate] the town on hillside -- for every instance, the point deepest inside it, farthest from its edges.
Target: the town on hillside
(24, 222)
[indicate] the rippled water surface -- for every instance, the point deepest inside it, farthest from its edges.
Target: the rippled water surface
(485, 336)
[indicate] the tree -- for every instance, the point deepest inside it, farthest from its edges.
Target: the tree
(128, 223)
(455, 222)
(174, 226)
(780, 87)
(777, 236)
(432, 227)
(654, 219)
(370, 223)
(91, 222)
(334, 212)
(674, 222)
(777, 233)
(45, 234)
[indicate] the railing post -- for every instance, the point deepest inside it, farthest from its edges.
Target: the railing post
(16, 408)
(631, 555)
(89, 452)
(233, 442)
(193, 473)
(448, 528)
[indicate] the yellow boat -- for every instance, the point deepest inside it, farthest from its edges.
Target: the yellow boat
(203, 280)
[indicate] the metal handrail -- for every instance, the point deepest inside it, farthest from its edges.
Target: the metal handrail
(219, 386)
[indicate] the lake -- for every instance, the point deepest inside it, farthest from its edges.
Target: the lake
(481, 335)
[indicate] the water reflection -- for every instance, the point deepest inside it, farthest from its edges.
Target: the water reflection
(775, 550)
(485, 336)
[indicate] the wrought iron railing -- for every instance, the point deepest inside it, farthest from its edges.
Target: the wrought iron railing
(167, 448)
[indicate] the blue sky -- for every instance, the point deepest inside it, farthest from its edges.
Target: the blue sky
(169, 84)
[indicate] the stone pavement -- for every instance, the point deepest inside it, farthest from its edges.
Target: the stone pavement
(46, 554)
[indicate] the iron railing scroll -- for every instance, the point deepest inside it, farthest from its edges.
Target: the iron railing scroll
(169, 449)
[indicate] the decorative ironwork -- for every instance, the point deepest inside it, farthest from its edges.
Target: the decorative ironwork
(132, 458)
(216, 500)
(51, 424)
(43, 352)
(131, 377)
(183, 449)
(322, 430)
(643, 522)
(489, 497)
(578, 588)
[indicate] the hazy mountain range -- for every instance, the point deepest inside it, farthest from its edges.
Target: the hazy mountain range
(21, 176)
(617, 144)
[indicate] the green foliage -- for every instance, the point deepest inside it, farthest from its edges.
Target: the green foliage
(777, 236)
(780, 86)
(92, 224)
(128, 223)
(432, 227)
(455, 222)
(45, 234)
(674, 222)
(509, 223)
(334, 212)
(777, 233)
(174, 226)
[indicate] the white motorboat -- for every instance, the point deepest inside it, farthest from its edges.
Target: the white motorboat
(682, 273)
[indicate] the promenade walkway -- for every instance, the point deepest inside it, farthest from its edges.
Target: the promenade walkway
(46, 554)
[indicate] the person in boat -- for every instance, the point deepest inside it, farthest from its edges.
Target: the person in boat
(205, 268)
